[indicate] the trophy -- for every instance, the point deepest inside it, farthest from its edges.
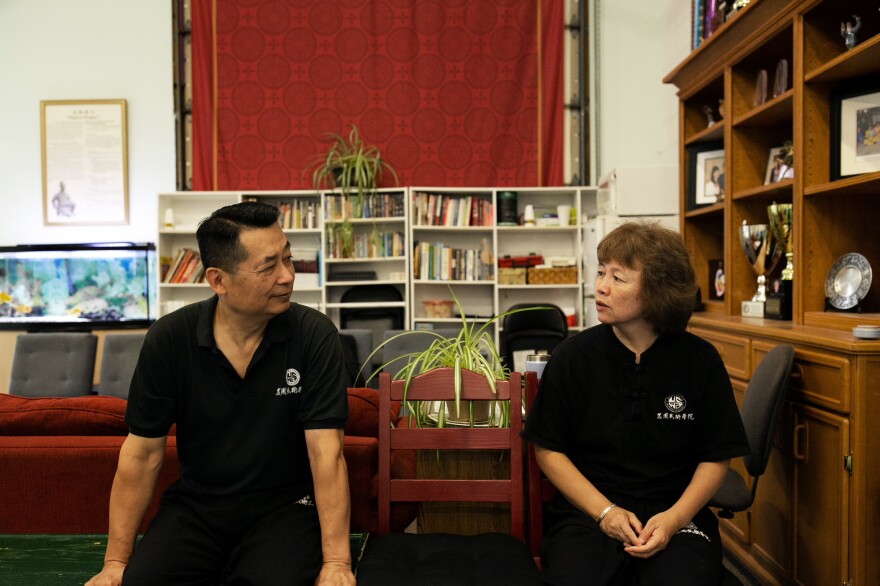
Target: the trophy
(780, 226)
(756, 241)
(778, 304)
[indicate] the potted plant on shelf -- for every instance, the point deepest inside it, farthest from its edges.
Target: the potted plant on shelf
(354, 167)
(472, 349)
(351, 165)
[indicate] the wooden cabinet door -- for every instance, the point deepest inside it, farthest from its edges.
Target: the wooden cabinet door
(771, 514)
(821, 497)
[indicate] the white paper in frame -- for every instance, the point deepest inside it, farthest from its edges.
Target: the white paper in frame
(85, 162)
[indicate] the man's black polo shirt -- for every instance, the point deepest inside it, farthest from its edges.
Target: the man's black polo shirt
(239, 435)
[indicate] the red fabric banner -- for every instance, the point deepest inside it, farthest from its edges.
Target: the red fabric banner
(448, 90)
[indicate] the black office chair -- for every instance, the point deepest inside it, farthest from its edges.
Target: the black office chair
(376, 312)
(541, 328)
(760, 410)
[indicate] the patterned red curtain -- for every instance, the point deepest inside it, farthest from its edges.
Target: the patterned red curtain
(453, 92)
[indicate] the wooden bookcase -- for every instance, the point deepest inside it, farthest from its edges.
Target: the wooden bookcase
(813, 521)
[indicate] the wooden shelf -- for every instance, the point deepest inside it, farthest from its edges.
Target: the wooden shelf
(775, 111)
(862, 60)
(811, 519)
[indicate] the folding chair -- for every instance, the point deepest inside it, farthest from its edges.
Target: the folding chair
(441, 558)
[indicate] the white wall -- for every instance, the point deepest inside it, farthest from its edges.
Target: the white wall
(637, 43)
(84, 49)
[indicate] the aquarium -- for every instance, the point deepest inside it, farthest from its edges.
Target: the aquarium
(77, 286)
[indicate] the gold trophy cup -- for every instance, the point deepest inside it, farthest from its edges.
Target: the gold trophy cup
(780, 226)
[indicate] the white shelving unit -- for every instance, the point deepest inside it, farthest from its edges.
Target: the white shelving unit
(480, 294)
(188, 208)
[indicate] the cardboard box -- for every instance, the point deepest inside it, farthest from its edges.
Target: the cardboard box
(511, 276)
(553, 276)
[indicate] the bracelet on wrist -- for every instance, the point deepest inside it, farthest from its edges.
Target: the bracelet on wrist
(604, 512)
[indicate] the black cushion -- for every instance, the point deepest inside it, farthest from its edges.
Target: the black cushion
(440, 559)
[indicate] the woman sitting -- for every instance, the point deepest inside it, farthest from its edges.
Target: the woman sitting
(635, 423)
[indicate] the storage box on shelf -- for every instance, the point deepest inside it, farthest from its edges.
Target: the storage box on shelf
(811, 521)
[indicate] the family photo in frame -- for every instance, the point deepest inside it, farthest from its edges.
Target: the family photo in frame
(705, 174)
(855, 130)
(779, 164)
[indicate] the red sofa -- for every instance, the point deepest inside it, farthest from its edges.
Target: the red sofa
(58, 457)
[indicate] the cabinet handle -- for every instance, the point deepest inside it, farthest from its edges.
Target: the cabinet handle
(796, 447)
(797, 372)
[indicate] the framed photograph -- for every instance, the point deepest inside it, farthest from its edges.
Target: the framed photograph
(716, 279)
(778, 165)
(705, 174)
(855, 130)
(85, 162)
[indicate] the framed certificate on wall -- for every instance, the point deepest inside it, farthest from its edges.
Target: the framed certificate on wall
(85, 166)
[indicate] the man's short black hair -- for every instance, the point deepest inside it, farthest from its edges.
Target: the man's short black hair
(218, 234)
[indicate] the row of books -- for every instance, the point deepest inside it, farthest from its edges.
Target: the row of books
(186, 267)
(430, 209)
(297, 213)
(377, 205)
(438, 262)
(366, 245)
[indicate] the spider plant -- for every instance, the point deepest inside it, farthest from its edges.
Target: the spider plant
(351, 165)
(472, 349)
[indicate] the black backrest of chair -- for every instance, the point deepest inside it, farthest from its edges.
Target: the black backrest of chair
(537, 329)
(118, 360)
(376, 319)
(53, 365)
(762, 403)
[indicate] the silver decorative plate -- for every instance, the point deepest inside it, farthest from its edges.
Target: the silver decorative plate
(848, 280)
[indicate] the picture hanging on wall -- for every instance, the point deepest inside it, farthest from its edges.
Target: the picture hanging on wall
(85, 169)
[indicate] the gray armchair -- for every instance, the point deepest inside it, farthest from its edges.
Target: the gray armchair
(118, 360)
(53, 365)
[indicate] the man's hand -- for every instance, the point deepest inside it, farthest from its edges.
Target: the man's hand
(335, 574)
(622, 525)
(111, 575)
(659, 530)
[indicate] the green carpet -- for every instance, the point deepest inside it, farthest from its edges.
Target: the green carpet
(65, 560)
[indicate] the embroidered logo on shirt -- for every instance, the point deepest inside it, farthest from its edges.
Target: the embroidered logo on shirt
(292, 378)
(675, 403)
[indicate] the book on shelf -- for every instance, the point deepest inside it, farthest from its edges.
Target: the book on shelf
(186, 268)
